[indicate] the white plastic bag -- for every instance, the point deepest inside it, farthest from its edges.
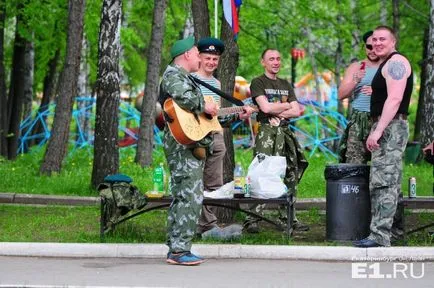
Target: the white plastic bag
(266, 176)
(224, 192)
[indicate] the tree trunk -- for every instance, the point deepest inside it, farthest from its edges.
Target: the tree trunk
(16, 91)
(355, 42)
(146, 131)
(106, 151)
(338, 67)
(84, 98)
(200, 18)
(48, 93)
(3, 97)
(339, 59)
(396, 16)
(28, 79)
(229, 61)
(58, 142)
(427, 129)
(188, 27)
(28, 90)
(383, 12)
(423, 78)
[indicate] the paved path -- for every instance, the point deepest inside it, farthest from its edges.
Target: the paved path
(137, 272)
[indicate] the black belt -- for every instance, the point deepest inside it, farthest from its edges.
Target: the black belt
(398, 116)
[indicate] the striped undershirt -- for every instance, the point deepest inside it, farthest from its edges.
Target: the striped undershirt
(205, 91)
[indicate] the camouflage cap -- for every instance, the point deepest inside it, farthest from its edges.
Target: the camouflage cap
(211, 45)
(181, 46)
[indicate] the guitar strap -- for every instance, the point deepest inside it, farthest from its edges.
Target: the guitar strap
(217, 91)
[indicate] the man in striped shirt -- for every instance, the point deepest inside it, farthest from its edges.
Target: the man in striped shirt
(210, 50)
(357, 86)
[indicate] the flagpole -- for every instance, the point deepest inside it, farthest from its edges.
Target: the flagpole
(215, 17)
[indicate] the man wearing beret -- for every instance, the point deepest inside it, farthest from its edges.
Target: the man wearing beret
(357, 86)
(210, 50)
(186, 167)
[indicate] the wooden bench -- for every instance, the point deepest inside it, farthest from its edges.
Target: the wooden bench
(234, 204)
(418, 203)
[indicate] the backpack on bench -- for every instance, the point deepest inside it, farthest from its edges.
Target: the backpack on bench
(118, 197)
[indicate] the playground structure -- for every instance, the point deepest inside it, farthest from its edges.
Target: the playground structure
(318, 129)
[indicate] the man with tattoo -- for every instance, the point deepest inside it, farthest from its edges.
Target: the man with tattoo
(391, 91)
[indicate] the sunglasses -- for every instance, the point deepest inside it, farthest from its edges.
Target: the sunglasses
(369, 46)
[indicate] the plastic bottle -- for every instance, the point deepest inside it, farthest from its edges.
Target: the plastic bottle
(238, 178)
(158, 179)
(247, 184)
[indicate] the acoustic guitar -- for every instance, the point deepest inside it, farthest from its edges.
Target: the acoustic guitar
(187, 127)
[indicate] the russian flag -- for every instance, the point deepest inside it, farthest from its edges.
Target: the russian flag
(231, 14)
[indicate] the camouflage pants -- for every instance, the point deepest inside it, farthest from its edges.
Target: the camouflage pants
(186, 173)
(280, 141)
(385, 179)
(352, 148)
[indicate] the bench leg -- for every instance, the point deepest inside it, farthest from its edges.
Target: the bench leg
(102, 223)
(289, 216)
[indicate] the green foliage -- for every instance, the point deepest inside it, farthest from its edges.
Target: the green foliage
(271, 23)
(135, 37)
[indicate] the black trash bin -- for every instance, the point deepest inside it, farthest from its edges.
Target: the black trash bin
(348, 211)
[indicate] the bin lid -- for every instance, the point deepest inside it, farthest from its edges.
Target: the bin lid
(346, 170)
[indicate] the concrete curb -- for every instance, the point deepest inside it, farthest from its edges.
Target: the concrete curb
(317, 253)
(35, 199)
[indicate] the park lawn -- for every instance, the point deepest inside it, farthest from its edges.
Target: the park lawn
(24, 223)
(22, 175)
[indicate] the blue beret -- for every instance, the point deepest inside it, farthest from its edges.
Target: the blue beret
(211, 45)
(181, 46)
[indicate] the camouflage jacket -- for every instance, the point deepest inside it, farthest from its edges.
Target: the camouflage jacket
(188, 96)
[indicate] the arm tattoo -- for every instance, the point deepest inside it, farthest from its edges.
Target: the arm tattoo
(396, 70)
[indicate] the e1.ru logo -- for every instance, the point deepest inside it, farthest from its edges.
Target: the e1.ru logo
(398, 270)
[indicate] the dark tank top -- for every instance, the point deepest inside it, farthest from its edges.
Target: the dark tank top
(379, 92)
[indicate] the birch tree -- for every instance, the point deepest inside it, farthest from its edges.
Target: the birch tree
(106, 151)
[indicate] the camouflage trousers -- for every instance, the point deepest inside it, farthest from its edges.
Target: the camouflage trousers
(385, 179)
(280, 141)
(352, 148)
(186, 173)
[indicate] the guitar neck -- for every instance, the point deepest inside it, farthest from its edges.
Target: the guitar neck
(229, 110)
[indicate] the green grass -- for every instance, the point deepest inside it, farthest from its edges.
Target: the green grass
(81, 225)
(22, 175)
